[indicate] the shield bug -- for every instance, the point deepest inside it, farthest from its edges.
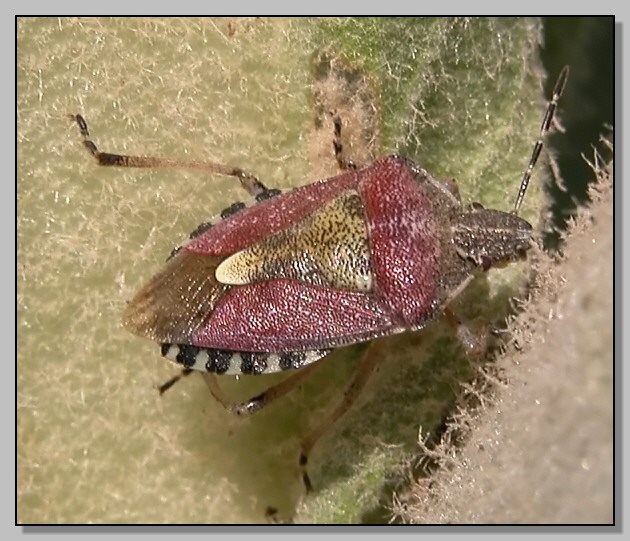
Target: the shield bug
(277, 282)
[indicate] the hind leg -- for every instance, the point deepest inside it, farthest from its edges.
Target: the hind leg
(249, 182)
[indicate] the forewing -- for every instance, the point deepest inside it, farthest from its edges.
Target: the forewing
(177, 300)
(287, 315)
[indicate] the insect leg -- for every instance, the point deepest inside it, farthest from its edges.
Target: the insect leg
(249, 182)
(216, 391)
(168, 384)
(263, 399)
(361, 376)
(343, 163)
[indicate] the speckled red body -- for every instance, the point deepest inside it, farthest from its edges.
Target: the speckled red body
(279, 283)
(286, 315)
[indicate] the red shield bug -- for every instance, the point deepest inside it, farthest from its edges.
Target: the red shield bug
(278, 281)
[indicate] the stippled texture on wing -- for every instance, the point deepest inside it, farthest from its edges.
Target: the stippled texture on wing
(286, 315)
(276, 315)
(186, 304)
(329, 248)
(269, 217)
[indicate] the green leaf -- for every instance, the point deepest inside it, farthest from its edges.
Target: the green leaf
(96, 443)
